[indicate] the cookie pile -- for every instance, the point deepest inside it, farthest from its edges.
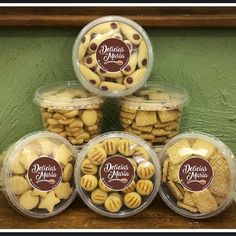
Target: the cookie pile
(113, 56)
(153, 113)
(38, 175)
(70, 111)
(197, 176)
(117, 175)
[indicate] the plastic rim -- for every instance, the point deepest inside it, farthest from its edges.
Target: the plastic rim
(75, 63)
(117, 134)
(165, 104)
(7, 173)
(39, 97)
(229, 157)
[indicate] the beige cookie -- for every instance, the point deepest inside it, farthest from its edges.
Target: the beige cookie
(89, 182)
(127, 115)
(17, 167)
(111, 146)
(132, 200)
(140, 154)
(126, 121)
(97, 155)
(126, 147)
(133, 131)
(77, 123)
(145, 170)
(46, 146)
(89, 117)
(28, 201)
(83, 47)
(145, 118)
(113, 203)
(39, 193)
(67, 172)
(187, 207)
(49, 202)
(130, 33)
(175, 191)
(89, 75)
(63, 190)
(203, 148)
(166, 116)
(18, 185)
(87, 167)
(165, 170)
(129, 110)
(144, 187)
(188, 199)
(98, 196)
(131, 66)
(147, 136)
(135, 78)
(179, 151)
(103, 187)
(160, 132)
(110, 86)
(130, 188)
(146, 129)
(173, 172)
(143, 55)
(62, 154)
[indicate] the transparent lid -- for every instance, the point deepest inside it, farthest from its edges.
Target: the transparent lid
(157, 96)
(198, 175)
(65, 94)
(112, 56)
(37, 174)
(117, 174)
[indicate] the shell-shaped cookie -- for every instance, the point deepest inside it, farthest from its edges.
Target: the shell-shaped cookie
(103, 187)
(132, 200)
(110, 146)
(144, 186)
(98, 196)
(145, 170)
(130, 188)
(89, 182)
(87, 167)
(113, 203)
(97, 155)
(126, 147)
(140, 154)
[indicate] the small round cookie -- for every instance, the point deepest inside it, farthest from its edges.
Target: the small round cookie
(133, 162)
(144, 187)
(87, 167)
(19, 185)
(103, 187)
(28, 201)
(89, 182)
(131, 188)
(132, 200)
(89, 117)
(97, 155)
(145, 170)
(126, 147)
(140, 155)
(113, 203)
(67, 172)
(98, 196)
(110, 146)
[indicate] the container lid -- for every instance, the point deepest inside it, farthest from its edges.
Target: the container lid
(199, 174)
(68, 94)
(117, 174)
(37, 174)
(112, 56)
(157, 96)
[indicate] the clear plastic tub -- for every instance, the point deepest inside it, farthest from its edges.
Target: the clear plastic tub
(199, 173)
(112, 56)
(70, 111)
(117, 174)
(154, 112)
(37, 174)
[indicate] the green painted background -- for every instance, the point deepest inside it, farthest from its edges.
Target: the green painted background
(201, 60)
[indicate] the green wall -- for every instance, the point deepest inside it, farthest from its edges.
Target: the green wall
(201, 60)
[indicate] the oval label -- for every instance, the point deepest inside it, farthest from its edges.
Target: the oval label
(112, 55)
(117, 173)
(45, 174)
(195, 174)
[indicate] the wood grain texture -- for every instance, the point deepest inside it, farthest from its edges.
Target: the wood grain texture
(146, 16)
(78, 216)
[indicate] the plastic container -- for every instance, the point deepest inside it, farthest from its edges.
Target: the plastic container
(37, 174)
(117, 174)
(112, 56)
(70, 111)
(199, 174)
(154, 112)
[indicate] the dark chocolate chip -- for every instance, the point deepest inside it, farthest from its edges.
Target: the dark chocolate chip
(136, 37)
(92, 81)
(93, 35)
(108, 79)
(93, 69)
(93, 46)
(114, 25)
(127, 68)
(83, 39)
(144, 62)
(129, 80)
(89, 60)
(104, 88)
(129, 45)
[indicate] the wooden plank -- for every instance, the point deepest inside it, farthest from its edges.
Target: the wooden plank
(146, 16)
(78, 216)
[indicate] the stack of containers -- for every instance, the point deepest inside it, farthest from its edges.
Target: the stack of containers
(117, 174)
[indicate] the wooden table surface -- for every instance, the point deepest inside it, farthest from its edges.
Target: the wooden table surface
(78, 216)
